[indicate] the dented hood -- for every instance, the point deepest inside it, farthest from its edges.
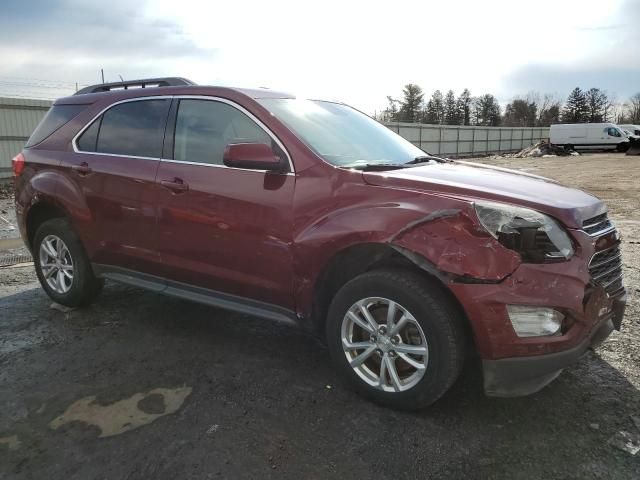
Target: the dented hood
(476, 181)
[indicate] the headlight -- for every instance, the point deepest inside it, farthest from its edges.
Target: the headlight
(534, 235)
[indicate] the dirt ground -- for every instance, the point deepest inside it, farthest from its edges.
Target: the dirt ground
(144, 386)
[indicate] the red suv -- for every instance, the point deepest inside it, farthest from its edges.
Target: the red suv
(310, 212)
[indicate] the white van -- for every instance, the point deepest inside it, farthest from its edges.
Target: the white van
(589, 135)
(632, 129)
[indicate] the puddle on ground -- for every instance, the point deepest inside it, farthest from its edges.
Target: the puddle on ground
(124, 415)
(12, 442)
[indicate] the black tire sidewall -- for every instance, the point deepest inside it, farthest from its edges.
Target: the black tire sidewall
(428, 304)
(84, 285)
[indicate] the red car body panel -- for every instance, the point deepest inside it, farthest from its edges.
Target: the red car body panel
(221, 234)
(270, 237)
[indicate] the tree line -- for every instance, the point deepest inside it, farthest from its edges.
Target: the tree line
(533, 110)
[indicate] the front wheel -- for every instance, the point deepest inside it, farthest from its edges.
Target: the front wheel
(622, 147)
(62, 266)
(396, 337)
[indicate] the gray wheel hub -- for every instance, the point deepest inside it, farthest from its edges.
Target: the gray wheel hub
(384, 344)
(56, 264)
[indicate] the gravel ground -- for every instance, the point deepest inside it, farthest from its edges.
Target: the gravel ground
(8, 228)
(143, 386)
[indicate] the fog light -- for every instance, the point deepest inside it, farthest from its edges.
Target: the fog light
(534, 321)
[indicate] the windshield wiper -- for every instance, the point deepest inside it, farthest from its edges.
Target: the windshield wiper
(426, 159)
(376, 166)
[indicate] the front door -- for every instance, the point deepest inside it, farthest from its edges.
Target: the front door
(220, 228)
(114, 167)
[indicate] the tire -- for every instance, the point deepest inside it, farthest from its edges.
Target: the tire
(622, 147)
(435, 320)
(569, 148)
(57, 235)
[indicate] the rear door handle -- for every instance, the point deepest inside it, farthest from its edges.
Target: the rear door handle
(82, 169)
(176, 185)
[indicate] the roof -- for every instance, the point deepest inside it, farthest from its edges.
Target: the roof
(205, 90)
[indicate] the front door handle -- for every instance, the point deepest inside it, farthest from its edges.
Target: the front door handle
(177, 185)
(82, 169)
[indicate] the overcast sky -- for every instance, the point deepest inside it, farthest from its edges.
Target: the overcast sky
(354, 51)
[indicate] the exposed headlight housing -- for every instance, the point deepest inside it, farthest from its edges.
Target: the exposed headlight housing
(532, 321)
(535, 236)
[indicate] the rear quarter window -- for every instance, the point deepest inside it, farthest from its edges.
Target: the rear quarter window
(56, 117)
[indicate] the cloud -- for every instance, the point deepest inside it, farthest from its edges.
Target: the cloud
(623, 82)
(356, 51)
(73, 39)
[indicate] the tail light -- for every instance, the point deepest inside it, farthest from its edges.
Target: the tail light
(18, 164)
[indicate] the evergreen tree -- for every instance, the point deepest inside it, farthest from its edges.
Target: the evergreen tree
(576, 109)
(435, 109)
(464, 104)
(451, 112)
(520, 113)
(487, 111)
(411, 104)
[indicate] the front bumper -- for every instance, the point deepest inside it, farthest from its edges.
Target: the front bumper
(514, 377)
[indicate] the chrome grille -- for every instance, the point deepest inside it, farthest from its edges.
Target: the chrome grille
(605, 269)
(598, 224)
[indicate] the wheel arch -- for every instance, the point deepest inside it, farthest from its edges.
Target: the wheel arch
(39, 213)
(356, 259)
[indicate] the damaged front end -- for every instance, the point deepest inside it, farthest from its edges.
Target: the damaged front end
(537, 294)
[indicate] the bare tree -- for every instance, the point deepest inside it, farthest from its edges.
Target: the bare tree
(610, 107)
(389, 114)
(632, 109)
(597, 102)
(548, 110)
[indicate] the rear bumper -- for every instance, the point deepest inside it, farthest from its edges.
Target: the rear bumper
(519, 376)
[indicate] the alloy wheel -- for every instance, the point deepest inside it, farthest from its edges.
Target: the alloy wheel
(384, 344)
(56, 264)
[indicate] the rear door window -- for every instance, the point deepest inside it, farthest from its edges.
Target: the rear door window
(55, 118)
(133, 129)
(204, 128)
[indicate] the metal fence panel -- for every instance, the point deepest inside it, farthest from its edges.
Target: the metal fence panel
(454, 140)
(18, 119)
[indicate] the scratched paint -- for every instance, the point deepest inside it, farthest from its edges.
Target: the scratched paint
(123, 415)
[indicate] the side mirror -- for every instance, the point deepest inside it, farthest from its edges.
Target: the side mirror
(257, 156)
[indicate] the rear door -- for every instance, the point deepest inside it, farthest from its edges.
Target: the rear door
(220, 228)
(115, 164)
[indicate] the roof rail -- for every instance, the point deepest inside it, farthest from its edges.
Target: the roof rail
(143, 83)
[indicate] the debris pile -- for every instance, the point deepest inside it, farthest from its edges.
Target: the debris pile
(544, 149)
(541, 149)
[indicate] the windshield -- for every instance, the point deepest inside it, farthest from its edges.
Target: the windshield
(340, 134)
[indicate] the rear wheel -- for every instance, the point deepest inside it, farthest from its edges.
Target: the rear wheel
(62, 266)
(396, 337)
